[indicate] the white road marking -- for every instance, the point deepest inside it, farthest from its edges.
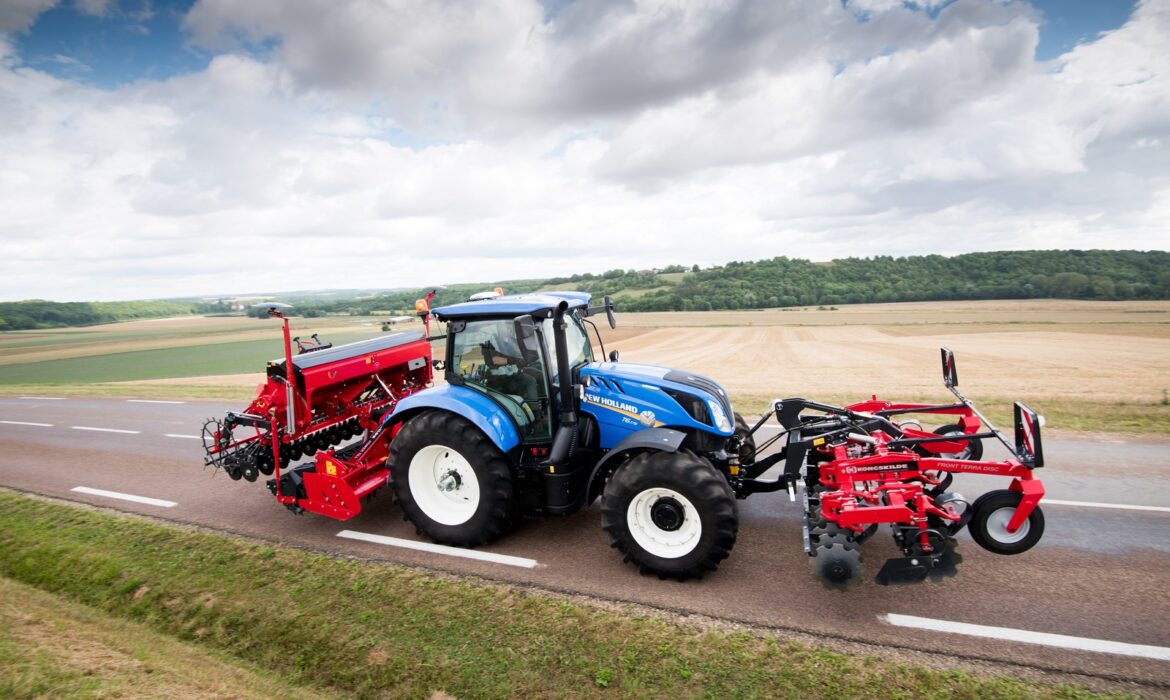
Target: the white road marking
(106, 430)
(441, 549)
(1093, 504)
(125, 497)
(42, 398)
(1008, 634)
(185, 437)
(20, 422)
(151, 401)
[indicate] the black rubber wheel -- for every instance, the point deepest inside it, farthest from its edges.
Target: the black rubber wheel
(671, 513)
(453, 483)
(747, 441)
(973, 451)
(992, 512)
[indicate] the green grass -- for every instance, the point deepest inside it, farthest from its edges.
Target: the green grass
(1059, 414)
(191, 361)
(364, 630)
(51, 647)
(135, 391)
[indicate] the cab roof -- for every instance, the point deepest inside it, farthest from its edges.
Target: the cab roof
(537, 304)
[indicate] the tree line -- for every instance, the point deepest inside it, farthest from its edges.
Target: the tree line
(38, 313)
(778, 282)
(781, 282)
(785, 282)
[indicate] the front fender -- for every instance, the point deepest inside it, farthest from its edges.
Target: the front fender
(659, 439)
(484, 413)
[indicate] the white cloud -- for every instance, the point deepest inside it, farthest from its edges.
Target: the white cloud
(95, 8)
(410, 143)
(19, 15)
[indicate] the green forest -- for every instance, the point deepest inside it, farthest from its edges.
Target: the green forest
(37, 313)
(781, 281)
(778, 282)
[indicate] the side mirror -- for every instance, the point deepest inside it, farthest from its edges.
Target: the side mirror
(613, 355)
(526, 336)
(950, 372)
(609, 312)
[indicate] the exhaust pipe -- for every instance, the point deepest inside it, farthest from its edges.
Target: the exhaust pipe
(565, 440)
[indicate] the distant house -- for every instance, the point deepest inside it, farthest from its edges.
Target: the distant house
(388, 323)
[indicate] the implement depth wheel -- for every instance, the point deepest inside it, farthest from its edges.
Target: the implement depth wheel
(992, 513)
(452, 481)
(973, 449)
(671, 514)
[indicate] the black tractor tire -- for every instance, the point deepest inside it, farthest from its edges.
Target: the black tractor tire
(747, 441)
(670, 513)
(974, 451)
(453, 483)
(988, 526)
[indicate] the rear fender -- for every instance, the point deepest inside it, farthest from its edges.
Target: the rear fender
(657, 439)
(484, 413)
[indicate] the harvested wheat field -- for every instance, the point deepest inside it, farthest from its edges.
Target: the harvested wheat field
(1101, 351)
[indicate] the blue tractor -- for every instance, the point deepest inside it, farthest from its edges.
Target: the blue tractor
(530, 423)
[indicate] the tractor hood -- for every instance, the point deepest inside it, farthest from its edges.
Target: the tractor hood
(649, 383)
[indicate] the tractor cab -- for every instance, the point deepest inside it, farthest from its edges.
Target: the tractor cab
(506, 349)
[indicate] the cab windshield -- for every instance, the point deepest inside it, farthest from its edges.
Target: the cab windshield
(577, 342)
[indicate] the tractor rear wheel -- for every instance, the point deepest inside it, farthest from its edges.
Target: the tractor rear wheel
(453, 483)
(671, 513)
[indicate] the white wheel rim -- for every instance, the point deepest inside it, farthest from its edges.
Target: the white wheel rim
(997, 524)
(443, 485)
(668, 544)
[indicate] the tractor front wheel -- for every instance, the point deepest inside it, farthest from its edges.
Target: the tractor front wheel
(671, 513)
(453, 483)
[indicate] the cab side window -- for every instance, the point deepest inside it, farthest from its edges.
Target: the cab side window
(486, 356)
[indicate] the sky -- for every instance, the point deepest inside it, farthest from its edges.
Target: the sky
(154, 149)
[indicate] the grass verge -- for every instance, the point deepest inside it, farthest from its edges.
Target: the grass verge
(135, 391)
(51, 647)
(361, 630)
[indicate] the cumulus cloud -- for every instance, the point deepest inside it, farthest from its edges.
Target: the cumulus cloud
(19, 15)
(344, 143)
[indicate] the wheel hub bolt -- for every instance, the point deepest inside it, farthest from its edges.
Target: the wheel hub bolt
(449, 481)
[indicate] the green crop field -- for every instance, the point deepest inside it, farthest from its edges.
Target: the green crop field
(190, 361)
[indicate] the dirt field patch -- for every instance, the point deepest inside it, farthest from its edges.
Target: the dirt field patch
(1031, 350)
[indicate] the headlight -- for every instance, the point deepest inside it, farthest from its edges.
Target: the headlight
(720, 417)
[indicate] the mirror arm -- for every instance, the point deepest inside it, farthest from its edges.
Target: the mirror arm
(596, 333)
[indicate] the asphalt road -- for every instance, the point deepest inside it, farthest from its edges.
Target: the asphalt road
(1098, 579)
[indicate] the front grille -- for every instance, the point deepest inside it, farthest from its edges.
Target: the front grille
(708, 385)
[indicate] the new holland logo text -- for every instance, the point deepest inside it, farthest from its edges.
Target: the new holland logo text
(632, 413)
(610, 403)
